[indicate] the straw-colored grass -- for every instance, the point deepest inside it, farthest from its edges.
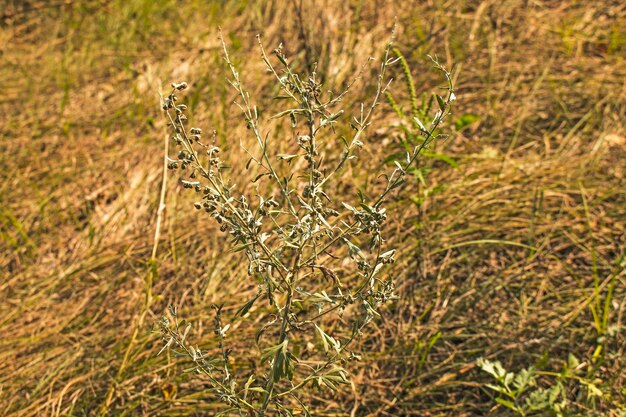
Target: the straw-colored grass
(506, 257)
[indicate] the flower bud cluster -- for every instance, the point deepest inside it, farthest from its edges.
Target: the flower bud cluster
(312, 88)
(266, 205)
(234, 215)
(371, 219)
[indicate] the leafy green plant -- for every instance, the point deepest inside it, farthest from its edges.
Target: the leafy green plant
(411, 126)
(311, 254)
(412, 123)
(570, 392)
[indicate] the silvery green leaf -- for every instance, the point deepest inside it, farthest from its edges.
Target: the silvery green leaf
(419, 123)
(168, 344)
(186, 332)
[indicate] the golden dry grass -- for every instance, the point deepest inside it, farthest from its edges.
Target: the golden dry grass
(497, 262)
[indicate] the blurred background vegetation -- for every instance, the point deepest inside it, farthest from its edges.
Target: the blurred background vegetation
(513, 234)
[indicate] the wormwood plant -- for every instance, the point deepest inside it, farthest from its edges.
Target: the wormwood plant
(311, 254)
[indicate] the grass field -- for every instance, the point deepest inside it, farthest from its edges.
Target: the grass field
(513, 248)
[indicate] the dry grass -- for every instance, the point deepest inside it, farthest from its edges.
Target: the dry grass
(487, 270)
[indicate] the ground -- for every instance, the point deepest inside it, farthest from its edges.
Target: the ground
(511, 249)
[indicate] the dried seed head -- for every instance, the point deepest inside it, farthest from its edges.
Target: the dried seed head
(167, 104)
(179, 86)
